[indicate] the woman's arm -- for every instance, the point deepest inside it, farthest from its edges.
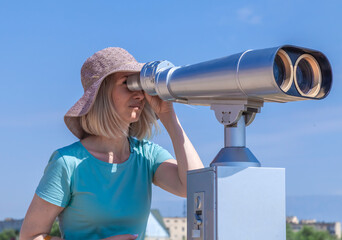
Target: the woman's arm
(39, 219)
(171, 175)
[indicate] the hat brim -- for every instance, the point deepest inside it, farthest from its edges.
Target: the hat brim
(84, 104)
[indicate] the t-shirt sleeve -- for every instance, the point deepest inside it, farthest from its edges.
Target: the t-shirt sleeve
(159, 155)
(54, 186)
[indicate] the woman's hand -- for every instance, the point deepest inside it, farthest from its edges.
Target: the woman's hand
(159, 106)
(122, 237)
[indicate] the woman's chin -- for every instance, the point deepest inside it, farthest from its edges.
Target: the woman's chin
(134, 120)
(134, 117)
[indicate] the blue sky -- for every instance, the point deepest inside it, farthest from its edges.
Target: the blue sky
(43, 45)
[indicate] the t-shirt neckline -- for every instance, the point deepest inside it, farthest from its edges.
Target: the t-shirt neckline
(98, 161)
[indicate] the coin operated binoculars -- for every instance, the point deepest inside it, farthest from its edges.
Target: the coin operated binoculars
(235, 198)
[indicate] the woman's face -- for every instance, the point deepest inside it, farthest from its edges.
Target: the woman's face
(128, 104)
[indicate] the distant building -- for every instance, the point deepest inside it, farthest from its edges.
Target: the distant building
(292, 219)
(177, 227)
(333, 228)
(308, 221)
(10, 223)
(156, 229)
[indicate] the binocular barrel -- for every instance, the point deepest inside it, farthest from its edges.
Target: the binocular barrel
(280, 74)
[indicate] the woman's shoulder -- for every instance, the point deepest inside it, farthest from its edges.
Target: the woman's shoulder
(69, 154)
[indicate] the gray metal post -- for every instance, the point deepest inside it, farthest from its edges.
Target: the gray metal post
(235, 136)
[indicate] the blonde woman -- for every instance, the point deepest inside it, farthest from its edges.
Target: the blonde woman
(100, 186)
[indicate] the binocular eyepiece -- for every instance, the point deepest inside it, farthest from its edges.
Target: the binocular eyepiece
(280, 74)
(306, 73)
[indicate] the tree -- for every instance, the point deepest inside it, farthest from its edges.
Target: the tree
(8, 234)
(290, 235)
(308, 233)
(55, 230)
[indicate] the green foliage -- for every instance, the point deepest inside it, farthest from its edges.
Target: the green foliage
(55, 230)
(8, 234)
(307, 233)
(290, 235)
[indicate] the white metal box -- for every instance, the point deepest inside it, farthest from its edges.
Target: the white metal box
(236, 203)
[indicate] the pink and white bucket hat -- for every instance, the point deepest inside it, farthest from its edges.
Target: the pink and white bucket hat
(94, 70)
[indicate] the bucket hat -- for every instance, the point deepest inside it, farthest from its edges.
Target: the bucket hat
(94, 70)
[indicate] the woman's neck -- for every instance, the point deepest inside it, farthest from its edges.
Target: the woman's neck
(106, 149)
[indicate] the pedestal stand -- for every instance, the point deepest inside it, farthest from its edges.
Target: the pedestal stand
(235, 198)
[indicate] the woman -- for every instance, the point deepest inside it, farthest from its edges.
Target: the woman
(100, 186)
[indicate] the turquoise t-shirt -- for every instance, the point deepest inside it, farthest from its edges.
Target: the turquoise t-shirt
(101, 199)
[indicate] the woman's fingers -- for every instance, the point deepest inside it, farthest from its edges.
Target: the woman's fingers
(154, 102)
(128, 237)
(158, 105)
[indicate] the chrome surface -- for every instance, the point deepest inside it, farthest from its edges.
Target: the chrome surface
(235, 117)
(264, 74)
(235, 136)
(229, 114)
(134, 82)
(235, 156)
(146, 80)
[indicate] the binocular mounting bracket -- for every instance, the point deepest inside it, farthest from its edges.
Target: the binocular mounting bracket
(235, 115)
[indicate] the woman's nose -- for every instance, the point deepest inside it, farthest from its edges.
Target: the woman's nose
(139, 95)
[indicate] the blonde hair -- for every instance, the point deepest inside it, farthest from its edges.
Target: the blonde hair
(103, 120)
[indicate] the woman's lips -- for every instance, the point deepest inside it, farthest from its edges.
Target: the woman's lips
(137, 106)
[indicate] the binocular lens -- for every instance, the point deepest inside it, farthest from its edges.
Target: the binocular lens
(308, 76)
(282, 70)
(304, 75)
(279, 70)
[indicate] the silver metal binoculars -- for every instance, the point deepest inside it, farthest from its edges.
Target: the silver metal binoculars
(280, 74)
